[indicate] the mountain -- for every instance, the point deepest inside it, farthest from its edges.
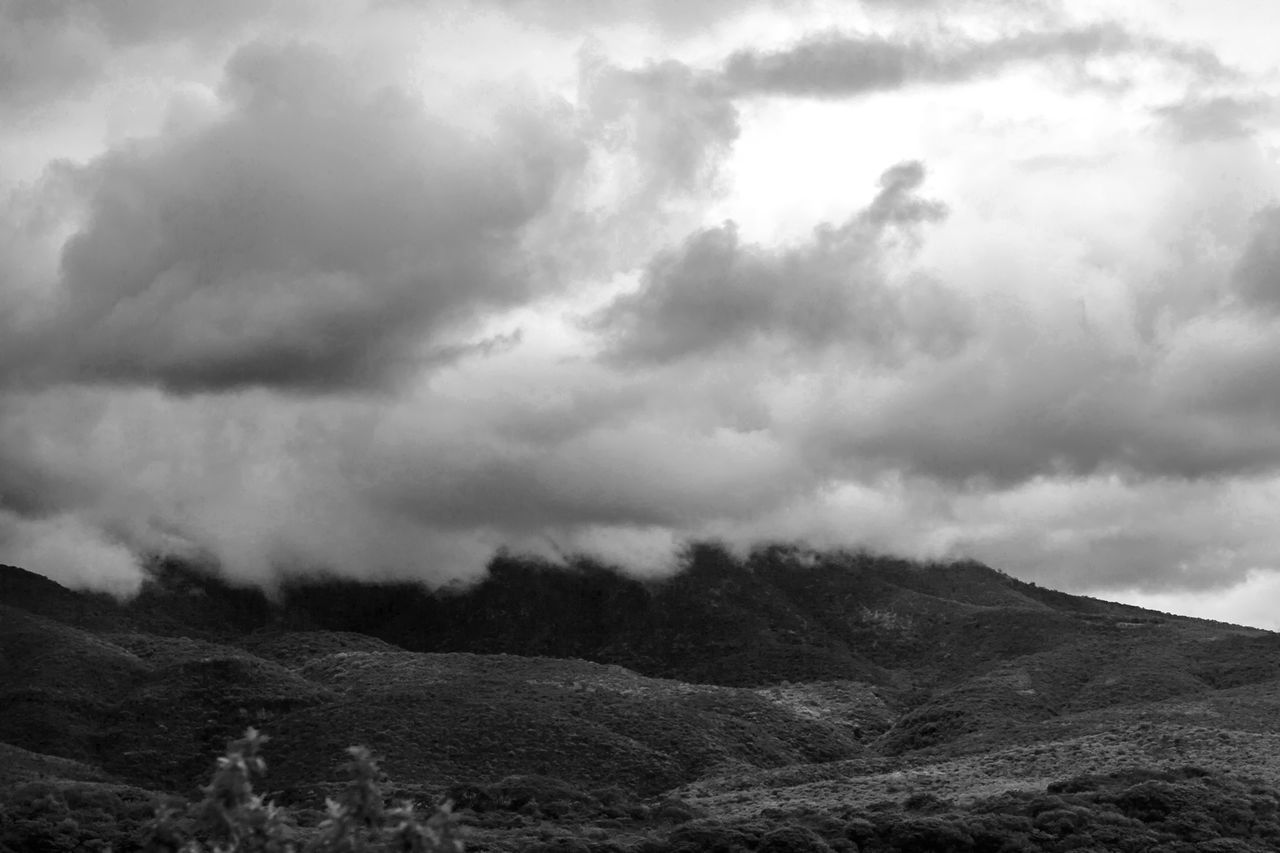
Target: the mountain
(782, 614)
(789, 683)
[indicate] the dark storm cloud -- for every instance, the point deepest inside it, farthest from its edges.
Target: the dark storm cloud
(841, 65)
(1198, 119)
(715, 291)
(320, 233)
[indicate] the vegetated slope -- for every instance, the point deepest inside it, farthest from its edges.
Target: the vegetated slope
(782, 614)
(456, 717)
(150, 710)
(791, 678)
(56, 683)
(1178, 810)
(22, 765)
(963, 650)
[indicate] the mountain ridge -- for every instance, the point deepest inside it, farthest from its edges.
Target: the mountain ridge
(780, 614)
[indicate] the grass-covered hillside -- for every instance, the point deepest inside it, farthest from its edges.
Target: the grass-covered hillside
(856, 702)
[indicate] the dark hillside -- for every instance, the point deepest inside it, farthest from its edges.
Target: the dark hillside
(699, 709)
(56, 683)
(783, 614)
(38, 595)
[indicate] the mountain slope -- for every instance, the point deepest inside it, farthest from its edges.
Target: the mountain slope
(789, 680)
(781, 614)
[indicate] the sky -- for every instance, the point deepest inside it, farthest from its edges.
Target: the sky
(380, 287)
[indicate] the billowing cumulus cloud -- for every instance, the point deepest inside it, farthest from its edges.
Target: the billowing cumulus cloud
(714, 291)
(319, 232)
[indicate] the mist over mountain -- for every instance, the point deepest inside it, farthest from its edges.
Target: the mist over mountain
(782, 612)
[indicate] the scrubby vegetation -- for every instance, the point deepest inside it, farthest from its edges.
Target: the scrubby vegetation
(1186, 810)
(807, 702)
(57, 816)
(231, 817)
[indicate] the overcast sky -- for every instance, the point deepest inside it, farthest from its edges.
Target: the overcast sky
(383, 286)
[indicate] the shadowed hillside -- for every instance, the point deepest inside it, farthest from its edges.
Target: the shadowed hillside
(810, 683)
(782, 614)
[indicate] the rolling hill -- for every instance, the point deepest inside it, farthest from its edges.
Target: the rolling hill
(789, 686)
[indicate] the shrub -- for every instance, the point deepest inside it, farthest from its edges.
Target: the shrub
(793, 839)
(931, 835)
(233, 819)
(709, 837)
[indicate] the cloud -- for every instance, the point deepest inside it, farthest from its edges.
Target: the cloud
(679, 124)
(1249, 602)
(715, 292)
(137, 20)
(1208, 119)
(1257, 276)
(659, 136)
(671, 17)
(837, 65)
(1007, 450)
(60, 47)
(425, 486)
(1094, 534)
(1108, 532)
(1055, 401)
(652, 473)
(70, 552)
(321, 232)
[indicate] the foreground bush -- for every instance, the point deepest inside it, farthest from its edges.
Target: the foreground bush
(233, 819)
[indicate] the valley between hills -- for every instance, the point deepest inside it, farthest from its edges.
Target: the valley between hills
(791, 700)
